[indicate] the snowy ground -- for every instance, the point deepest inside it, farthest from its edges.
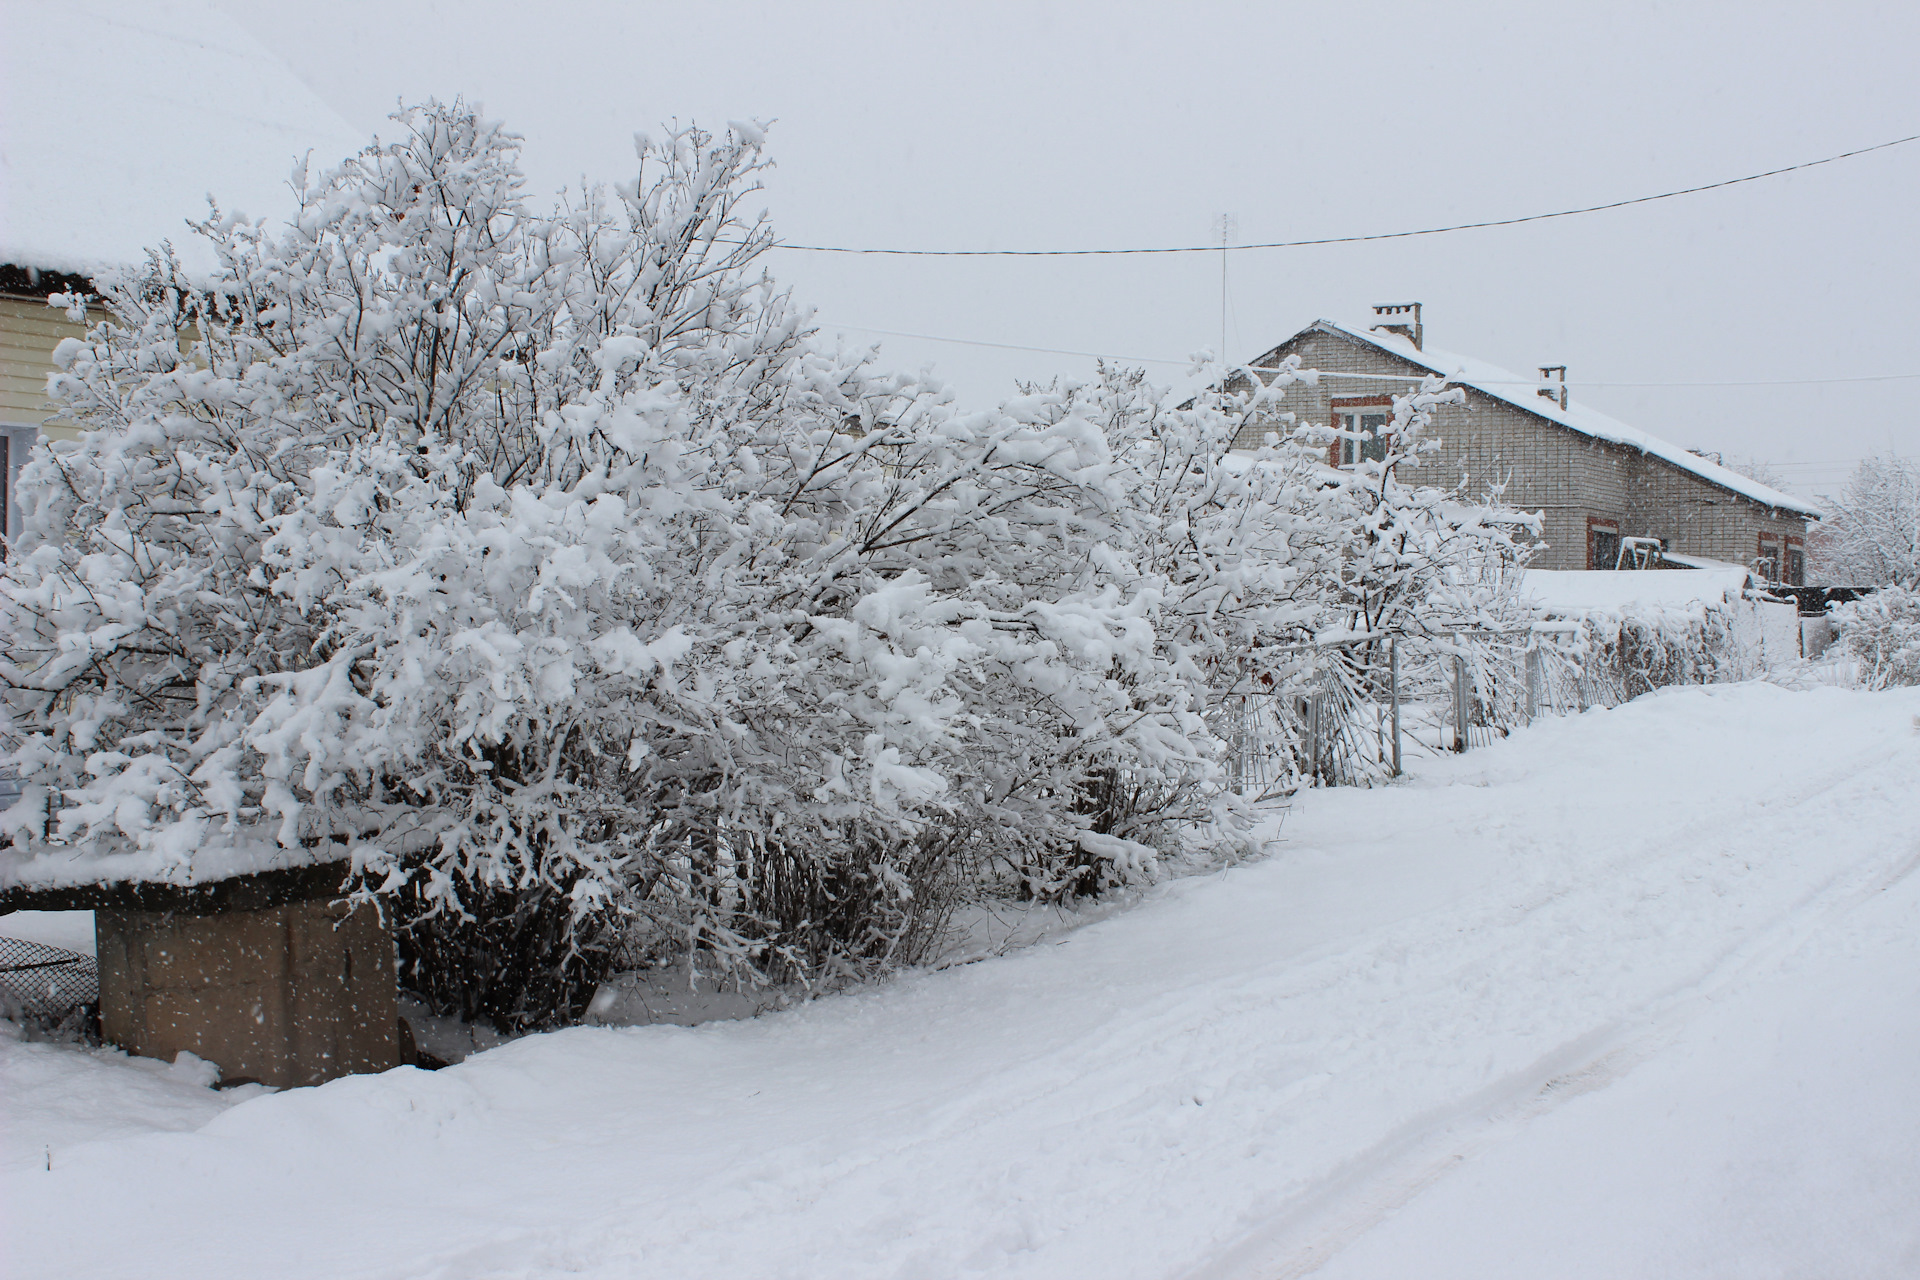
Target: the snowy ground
(1633, 993)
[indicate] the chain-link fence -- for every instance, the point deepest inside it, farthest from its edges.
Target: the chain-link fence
(45, 984)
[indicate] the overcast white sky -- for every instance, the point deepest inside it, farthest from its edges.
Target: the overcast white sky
(1091, 125)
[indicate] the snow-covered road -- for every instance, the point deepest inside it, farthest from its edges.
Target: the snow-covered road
(1481, 1021)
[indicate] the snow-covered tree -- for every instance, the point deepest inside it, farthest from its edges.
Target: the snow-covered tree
(371, 539)
(1282, 576)
(1870, 535)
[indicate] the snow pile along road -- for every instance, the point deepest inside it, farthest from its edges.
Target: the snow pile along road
(1644, 980)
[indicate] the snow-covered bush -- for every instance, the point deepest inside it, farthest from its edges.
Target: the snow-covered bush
(1433, 572)
(1882, 632)
(1653, 649)
(1284, 578)
(472, 544)
(549, 571)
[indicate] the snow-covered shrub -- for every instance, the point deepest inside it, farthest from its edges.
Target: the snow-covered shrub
(1431, 571)
(548, 570)
(473, 544)
(1647, 651)
(1882, 632)
(1282, 578)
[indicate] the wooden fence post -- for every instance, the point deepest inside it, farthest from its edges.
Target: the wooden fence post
(1313, 739)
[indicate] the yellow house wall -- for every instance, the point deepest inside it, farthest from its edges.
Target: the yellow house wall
(29, 331)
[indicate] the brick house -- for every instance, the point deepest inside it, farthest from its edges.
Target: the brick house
(1604, 488)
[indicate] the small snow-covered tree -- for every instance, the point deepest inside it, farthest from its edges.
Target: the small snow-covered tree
(355, 549)
(1260, 562)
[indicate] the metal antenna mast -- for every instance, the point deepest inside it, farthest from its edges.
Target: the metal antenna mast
(1226, 226)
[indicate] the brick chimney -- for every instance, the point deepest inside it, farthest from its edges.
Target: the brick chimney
(1553, 383)
(1402, 318)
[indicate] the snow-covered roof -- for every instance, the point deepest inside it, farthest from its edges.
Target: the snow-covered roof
(118, 119)
(1580, 593)
(1522, 393)
(218, 857)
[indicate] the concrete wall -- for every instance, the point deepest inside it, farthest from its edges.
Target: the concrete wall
(291, 995)
(1566, 476)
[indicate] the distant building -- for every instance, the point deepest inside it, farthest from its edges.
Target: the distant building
(122, 120)
(1608, 492)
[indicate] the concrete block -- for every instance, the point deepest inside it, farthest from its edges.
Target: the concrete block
(293, 994)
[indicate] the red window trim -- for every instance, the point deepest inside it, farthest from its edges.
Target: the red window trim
(1336, 404)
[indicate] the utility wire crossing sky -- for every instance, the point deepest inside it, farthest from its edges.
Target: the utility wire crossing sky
(1360, 239)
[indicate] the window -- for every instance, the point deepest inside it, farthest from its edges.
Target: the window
(15, 443)
(1363, 416)
(1796, 561)
(1603, 543)
(1767, 563)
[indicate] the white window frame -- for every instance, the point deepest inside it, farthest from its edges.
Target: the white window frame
(1353, 419)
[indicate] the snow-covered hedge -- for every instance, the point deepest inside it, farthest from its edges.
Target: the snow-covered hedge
(1651, 649)
(548, 568)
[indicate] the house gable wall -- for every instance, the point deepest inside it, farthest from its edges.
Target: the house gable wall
(29, 331)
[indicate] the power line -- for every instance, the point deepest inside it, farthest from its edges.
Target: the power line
(1370, 377)
(1384, 235)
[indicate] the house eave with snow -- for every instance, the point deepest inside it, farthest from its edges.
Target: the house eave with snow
(178, 103)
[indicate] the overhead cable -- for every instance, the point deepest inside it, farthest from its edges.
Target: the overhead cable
(1324, 240)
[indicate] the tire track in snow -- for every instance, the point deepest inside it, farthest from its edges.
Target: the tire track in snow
(1375, 1183)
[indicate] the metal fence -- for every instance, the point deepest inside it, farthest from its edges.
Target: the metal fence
(1347, 713)
(42, 983)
